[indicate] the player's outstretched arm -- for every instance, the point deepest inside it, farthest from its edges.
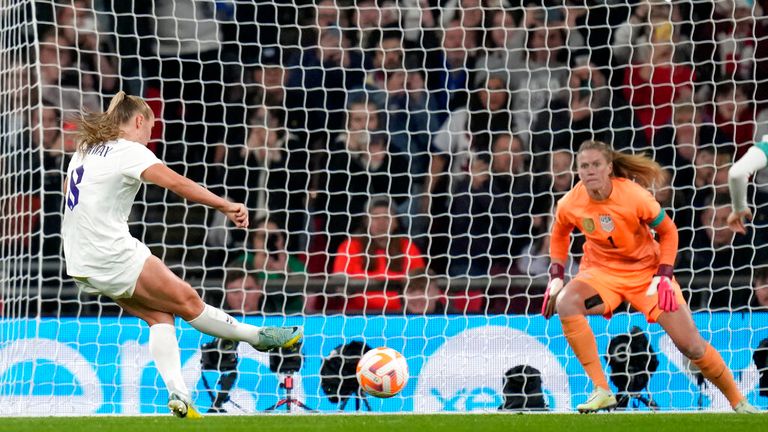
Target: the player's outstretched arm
(738, 177)
(163, 176)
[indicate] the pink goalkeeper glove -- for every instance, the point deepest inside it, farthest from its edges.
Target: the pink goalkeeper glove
(556, 277)
(662, 284)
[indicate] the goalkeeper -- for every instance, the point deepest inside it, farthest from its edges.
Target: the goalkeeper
(102, 181)
(622, 261)
(738, 176)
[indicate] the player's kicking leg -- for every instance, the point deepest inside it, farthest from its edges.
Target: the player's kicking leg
(160, 289)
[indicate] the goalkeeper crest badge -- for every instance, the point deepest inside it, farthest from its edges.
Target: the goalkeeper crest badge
(588, 224)
(606, 223)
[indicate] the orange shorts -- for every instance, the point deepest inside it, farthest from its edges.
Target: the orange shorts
(614, 287)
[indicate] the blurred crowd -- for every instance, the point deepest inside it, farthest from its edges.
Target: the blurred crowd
(398, 141)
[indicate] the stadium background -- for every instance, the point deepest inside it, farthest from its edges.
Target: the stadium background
(463, 114)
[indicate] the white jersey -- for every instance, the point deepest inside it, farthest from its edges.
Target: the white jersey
(102, 186)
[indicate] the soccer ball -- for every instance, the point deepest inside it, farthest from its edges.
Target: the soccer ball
(382, 372)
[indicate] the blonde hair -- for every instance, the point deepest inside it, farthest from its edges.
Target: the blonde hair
(639, 168)
(96, 128)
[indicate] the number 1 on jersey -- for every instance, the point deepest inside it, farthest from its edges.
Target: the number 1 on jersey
(73, 197)
(610, 239)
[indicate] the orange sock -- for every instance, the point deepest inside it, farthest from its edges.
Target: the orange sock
(714, 369)
(582, 342)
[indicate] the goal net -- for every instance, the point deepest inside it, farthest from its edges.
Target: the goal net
(401, 161)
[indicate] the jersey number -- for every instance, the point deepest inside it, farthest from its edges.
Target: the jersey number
(74, 193)
(610, 239)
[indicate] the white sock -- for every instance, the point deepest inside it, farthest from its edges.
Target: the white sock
(216, 322)
(164, 349)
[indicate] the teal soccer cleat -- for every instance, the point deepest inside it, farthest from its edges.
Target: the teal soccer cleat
(278, 337)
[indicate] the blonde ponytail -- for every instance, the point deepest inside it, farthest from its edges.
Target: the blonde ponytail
(96, 128)
(641, 169)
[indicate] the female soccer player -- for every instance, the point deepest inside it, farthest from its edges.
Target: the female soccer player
(622, 261)
(756, 158)
(102, 257)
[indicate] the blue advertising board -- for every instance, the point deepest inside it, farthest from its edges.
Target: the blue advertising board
(457, 363)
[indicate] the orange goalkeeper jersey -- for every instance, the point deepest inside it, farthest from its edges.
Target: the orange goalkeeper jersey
(618, 229)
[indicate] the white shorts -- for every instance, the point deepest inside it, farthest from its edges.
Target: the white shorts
(119, 282)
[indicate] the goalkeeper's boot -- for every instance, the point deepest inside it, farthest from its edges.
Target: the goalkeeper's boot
(600, 399)
(182, 408)
(745, 407)
(278, 337)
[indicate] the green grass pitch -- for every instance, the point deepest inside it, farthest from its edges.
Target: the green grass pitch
(400, 423)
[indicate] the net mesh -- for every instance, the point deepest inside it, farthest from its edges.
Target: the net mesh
(401, 161)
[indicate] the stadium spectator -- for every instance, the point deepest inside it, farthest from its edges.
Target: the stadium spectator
(712, 242)
(277, 173)
(243, 295)
(504, 44)
(562, 174)
(188, 49)
(739, 38)
(61, 77)
(450, 62)
(734, 116)
(357, 166)
(467, 13)
(272, 86)
(632, 38)
(510, 160)
(416, 18)
(271, 258)
(409, 118)
(590, 110)
(480, 222)
(469, 129)
(388, 56)
(422, 296)
(711, 175)
(20, 150)
(716, 251)
(267, 259)
(512, 182)
(655, 81)
(760, 286)
(47, 122)
(378, 251)
(542, 75)
(677, 145)
(366, 16)
(327, 14)
(328, 69)
(95, 59)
